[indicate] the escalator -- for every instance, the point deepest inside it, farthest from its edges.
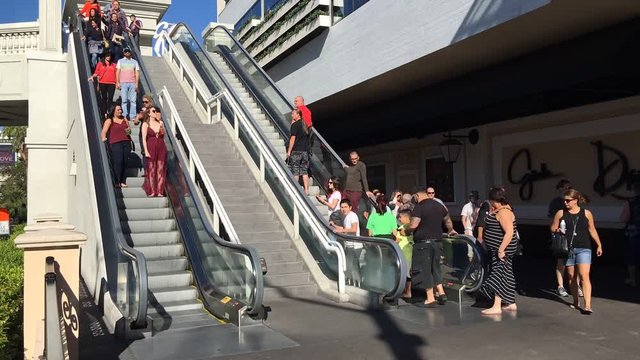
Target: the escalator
(166, 267)
(231, 110)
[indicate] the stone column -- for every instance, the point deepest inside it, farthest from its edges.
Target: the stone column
(60, 241)
(50, 19)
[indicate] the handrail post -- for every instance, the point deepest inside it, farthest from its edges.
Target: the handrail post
(262, 169)
(296, 222)
(219, 109)
(42, 240)
(236, 126)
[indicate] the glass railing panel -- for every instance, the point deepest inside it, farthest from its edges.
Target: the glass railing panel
(463, 262)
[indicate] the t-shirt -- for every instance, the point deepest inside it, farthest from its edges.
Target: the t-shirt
(302, 139)
(431, 214)
(471, 212)
(128, 68)
(356, 177)
(306, 115)
(334, 196)
(382, 224)
(349, 220)
(406, 244)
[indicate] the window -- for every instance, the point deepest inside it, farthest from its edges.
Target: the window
(439, 175)
(377, 177)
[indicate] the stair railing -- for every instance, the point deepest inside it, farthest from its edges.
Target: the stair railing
(196, 168)
(266, 156)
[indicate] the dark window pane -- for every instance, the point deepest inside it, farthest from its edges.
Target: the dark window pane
(439, 175)
(376, 176)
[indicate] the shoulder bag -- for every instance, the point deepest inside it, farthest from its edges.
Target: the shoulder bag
(560, 244)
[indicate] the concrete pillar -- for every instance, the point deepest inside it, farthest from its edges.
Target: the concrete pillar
(50, 238)
(50, 19)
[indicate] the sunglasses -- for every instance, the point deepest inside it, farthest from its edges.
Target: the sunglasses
(568, 200)
(145, 102)
(430, 193)
(330, 182)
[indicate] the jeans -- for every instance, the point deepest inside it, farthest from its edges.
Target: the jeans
(119, 155)
(578, 256)
(94, 60)
(354, 197)
(128, 94)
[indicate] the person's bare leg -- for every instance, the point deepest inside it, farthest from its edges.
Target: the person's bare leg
(305, 182)
(440, 289)
(407, 289)
(495, 309)
(583, 271)
(430, 297)
(560, 272)
(573, 285)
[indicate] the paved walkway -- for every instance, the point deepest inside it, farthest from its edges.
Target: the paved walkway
(543, 328)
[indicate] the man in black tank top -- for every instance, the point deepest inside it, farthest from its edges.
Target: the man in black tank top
(426, 224)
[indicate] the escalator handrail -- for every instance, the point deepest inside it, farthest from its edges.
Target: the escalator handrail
(249, 251)
(91, 112)
(475, 246)
(277, 89)
(176, 121)
(320, 227)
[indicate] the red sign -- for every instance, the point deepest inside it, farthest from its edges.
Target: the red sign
(4, 222)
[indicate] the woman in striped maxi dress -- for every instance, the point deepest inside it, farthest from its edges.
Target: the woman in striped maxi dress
(501, 242)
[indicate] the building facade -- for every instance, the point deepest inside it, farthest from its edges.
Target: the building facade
(549, 86)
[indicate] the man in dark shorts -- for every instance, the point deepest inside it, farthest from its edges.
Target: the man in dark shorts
(426, 224)
(298, 150)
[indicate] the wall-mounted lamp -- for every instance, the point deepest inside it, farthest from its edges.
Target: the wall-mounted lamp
(451, 147)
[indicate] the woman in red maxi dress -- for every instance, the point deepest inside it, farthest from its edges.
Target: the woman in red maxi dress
(155, 152)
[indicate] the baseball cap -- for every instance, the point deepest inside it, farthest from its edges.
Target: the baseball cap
(126, 50)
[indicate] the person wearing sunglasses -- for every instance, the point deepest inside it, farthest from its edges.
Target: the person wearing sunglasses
(333, 202)
(580, 229)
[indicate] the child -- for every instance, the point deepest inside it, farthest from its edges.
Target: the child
(406, 244)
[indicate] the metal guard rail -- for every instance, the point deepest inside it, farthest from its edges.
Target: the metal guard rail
(286, 178)
(104, 169)
(256, 305)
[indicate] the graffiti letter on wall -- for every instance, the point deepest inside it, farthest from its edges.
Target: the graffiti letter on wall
(526, 181)
(600, 185)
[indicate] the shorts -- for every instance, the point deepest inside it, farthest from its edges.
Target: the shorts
(425, 264)
(578, 256)
(299, 163)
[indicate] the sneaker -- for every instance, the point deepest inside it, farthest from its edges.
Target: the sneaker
(580, 294)
(562, 292)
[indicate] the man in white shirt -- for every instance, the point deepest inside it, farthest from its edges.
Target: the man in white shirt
(352, 249)
(470, 213)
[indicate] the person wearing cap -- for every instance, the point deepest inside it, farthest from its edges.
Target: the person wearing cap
(127, 76)
(426, 226)
(470, 213)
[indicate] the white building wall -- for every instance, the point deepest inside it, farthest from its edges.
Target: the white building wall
(234, 10)
(383, 35)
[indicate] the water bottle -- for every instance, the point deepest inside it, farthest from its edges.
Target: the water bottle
(563, 226)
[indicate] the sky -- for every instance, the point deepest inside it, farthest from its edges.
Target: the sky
(195, 13)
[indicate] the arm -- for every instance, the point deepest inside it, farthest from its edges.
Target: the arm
(105, 128)
(480, 233)
(415, 222)
(117, 77)
(292, 140)
(626, 213)
(365, 183)
(332, 205)
(506, 222)
(555, 224)
(137, 78)
(145, 128)
(593, 232)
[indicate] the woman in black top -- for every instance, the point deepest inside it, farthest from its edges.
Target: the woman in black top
(94, 38)
(579, 227)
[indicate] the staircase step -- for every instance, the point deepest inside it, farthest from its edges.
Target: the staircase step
(145, 214)
(169, 279)
(171, 307)
(169, 294)
(172, 263)
(142, 203)
(143, 226)
(266, 245)
(285, 267)
(279, 256)
(154, 238)
(161, 251)
(261, 235)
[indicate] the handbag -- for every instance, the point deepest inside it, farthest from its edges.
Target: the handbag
(105, 41)
(560, 245)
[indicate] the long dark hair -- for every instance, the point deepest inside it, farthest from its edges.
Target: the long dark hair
(381, 205)
(337, 184)
(305, 128)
